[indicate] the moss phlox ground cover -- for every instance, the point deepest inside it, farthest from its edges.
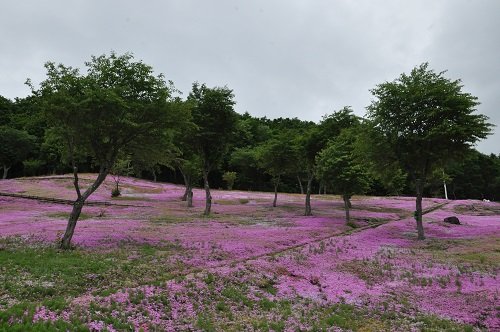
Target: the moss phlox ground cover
(144, 261)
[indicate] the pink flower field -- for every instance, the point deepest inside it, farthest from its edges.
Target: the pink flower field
(144, 261)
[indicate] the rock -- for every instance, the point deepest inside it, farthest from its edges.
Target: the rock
(452, 220)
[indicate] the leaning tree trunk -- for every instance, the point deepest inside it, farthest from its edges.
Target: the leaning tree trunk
(5, 171)
(300, 185)
(308, 211)
(418, 209)
(208, 197)
(347, 205)
(73, 218)
(79, 202)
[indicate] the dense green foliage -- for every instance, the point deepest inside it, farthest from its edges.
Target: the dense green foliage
(15, 145)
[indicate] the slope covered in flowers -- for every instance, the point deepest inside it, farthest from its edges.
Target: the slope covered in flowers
(146, 261)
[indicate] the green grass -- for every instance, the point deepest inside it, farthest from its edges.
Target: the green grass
(232, 201)
(40, 273)
(370, 271)
(65, 215)
(481, 254)
(237, 295)
(226, 202)
(130, 198)
(35, 273)
(171, 219)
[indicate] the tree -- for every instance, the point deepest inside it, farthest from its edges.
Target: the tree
(213, 114)
(120, 168)
(276, 157)
(229, 177)
(308, 146)
(15, 145)
(421, 121)
(338, 167)
(118, 106)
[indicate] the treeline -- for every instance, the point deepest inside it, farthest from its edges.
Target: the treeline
(30, 147)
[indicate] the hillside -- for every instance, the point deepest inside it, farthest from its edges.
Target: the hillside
(145, 260)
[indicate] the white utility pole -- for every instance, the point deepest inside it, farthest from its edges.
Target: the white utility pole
(445, 190)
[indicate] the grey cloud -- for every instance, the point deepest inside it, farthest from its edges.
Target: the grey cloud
(282, 58)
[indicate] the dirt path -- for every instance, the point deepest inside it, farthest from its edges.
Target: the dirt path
(66, 201)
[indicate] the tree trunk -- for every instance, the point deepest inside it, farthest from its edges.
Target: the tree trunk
(275, 194)
(190, 197)
(418, 209)
(319, 190)
(308, 211)
(347, 204)
(154, 175)
(324, 189)
(79, 202)
(208, 197)
(187, 185)
(70, 228)
(300, 185)
(5, 171)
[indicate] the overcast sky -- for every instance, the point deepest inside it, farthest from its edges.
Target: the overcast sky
(284, 58)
